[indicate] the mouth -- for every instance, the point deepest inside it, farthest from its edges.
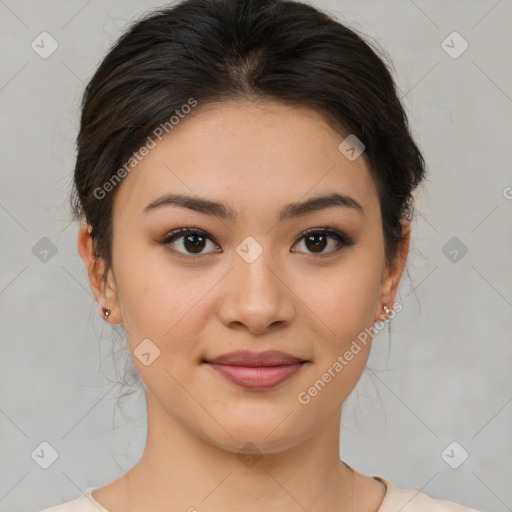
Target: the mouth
(257, 370)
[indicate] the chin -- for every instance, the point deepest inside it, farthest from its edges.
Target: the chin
(255, 442)
(255, 430)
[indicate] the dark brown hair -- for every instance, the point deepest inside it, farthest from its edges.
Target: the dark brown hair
(213, 50)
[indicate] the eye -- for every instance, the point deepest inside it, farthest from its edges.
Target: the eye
(317, 239)
(194, 240)
(191, 239)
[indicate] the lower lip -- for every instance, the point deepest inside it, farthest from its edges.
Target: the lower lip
(261, 377)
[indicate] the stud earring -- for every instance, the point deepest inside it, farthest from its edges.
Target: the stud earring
(384, 316)
(106, 312)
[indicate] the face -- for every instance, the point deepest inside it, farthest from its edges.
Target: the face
(259, 273)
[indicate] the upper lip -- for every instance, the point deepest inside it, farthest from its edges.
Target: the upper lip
(248, 358)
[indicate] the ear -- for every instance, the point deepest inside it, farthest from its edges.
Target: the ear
(392, 275)
(106, 294)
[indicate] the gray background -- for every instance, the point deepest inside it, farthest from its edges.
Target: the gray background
(443, 376)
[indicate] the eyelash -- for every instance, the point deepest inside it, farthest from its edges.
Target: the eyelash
(342, 239)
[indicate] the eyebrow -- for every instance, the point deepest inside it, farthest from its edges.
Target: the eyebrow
(222, 211)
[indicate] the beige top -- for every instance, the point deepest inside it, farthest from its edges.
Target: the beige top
(396, 499)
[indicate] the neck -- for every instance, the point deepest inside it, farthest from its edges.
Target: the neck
(181, 471)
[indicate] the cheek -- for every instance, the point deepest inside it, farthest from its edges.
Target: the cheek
(142, 298)
(343, 299)
(165, 303)
(151, 291)
(343, 314)
(342, 303)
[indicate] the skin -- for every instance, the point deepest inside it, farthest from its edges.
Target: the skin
(255, 158)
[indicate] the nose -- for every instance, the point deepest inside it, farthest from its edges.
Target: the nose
(256, 296)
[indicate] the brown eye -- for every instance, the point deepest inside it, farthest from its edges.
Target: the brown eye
(190, 242)
(194, 243)
(317, 240)
(187, 241)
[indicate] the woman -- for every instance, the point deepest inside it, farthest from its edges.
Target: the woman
(244, 177)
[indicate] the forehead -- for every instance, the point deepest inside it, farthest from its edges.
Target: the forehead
(257, 155)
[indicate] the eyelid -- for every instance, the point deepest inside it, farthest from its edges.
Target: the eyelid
(185, 230)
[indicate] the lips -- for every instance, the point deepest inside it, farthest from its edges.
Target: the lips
(256, 359)
(257, 370)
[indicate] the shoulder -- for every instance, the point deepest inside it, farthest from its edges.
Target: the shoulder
(85, 503)
(409, 500)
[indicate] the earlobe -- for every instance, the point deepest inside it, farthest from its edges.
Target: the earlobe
(104, 293)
